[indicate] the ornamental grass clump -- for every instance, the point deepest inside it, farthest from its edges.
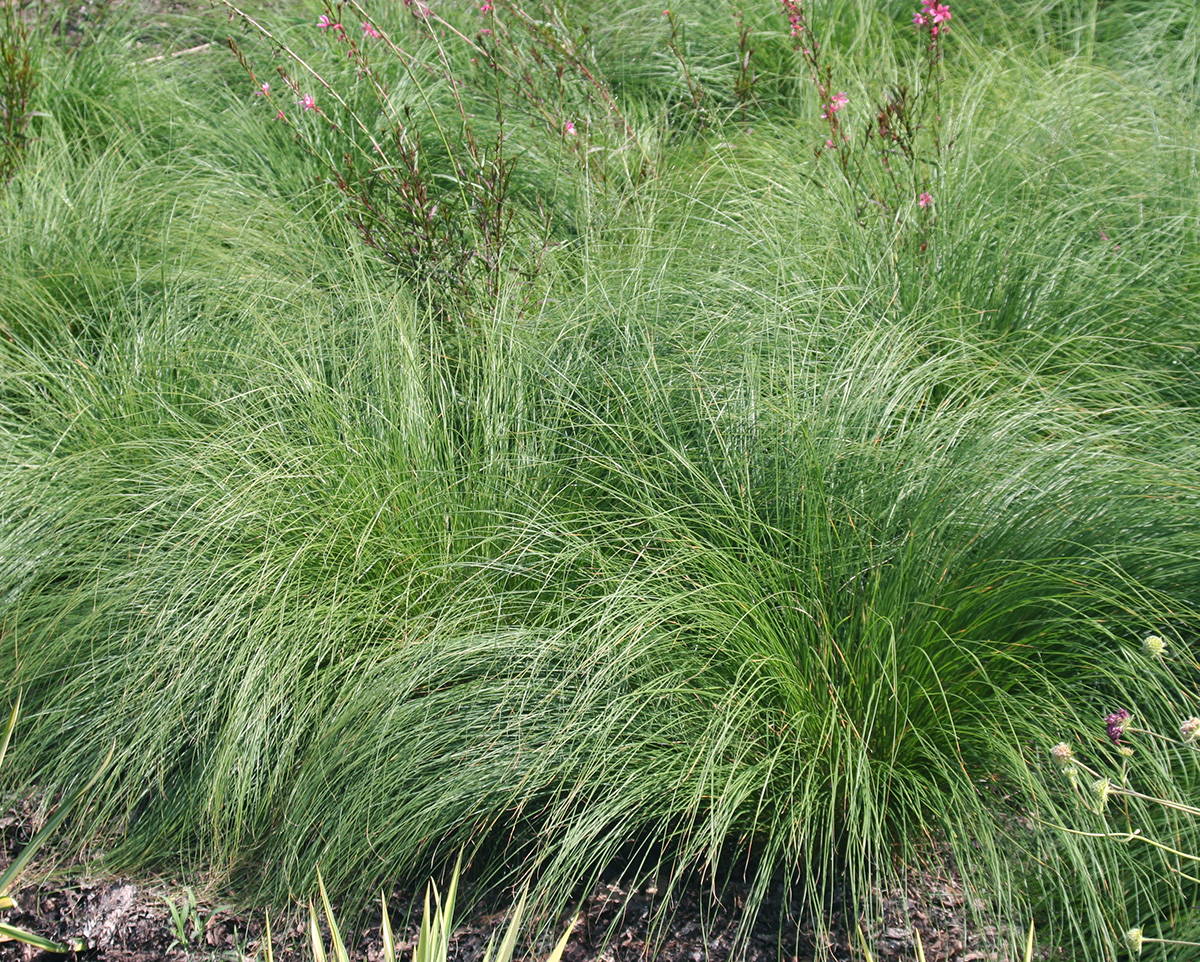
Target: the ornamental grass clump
(732, 542)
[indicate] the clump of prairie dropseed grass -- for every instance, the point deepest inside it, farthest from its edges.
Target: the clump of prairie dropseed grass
(725, 557)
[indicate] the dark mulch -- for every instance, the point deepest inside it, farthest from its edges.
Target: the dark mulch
(131, 920)
(123, 919)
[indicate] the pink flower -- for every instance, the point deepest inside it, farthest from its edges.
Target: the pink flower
(325, 23)
(263, 91)
(370, 31)
(486, 6)
(795, 15)
(924, 200)
(932, 13)
(569, 128)
(308, 102)
(279, 116)
(837, 103)
(829, 143)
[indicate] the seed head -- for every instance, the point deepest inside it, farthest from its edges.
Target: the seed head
(1189, 730)
(1063, 758)
(1154, 646)
(1133, 939)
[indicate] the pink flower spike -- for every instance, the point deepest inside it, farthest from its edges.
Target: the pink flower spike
(569, 128)
(370, 31)
(924, 200)
(308, 102)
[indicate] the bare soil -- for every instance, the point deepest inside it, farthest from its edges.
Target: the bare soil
(141, 920)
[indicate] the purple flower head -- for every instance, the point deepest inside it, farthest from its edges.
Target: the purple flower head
(1114, 725)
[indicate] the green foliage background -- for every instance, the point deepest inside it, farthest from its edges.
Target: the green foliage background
(744, 538)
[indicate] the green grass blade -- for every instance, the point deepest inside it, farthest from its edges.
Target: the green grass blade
(52, 823)
(509, 944)
(314, 934)
(13, 933)
(340, 952)
(8, 729)
(385, 926)
(561, 946)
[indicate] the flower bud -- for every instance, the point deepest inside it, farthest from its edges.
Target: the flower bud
(1133, 939)
(1114, 725)
(1102, 788)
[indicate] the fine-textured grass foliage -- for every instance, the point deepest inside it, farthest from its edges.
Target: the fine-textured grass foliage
(744, 538)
